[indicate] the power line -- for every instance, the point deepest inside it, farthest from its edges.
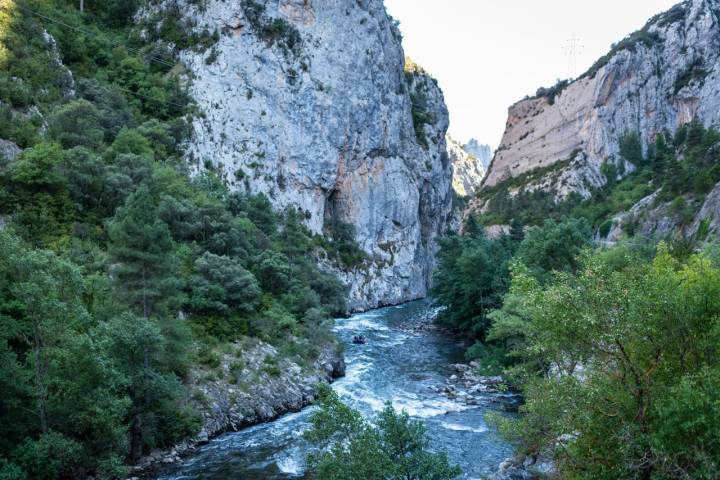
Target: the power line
(90, 32)
(149, 97)
(573, 49)
(130, 49)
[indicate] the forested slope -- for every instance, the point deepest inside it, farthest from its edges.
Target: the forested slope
(120, 276)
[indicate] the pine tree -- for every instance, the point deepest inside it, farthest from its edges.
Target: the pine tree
(142, 249)
(517, 231)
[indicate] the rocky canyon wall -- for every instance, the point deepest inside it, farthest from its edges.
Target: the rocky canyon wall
(653, 81)
(308, 102)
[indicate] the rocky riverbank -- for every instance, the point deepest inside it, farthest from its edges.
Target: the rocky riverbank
(465, 384)
(248, 383)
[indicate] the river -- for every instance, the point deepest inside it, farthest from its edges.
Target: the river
(399, 363)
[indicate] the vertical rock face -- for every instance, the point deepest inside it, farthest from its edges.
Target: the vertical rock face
(481, 151)
(307, 101)
(468, 170)
(8, 151)
(652, 81)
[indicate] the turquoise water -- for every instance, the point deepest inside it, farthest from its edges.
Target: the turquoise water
(400, 364)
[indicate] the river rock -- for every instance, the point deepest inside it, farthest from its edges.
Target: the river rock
(514, 469)
(252, 384)
(460, 367)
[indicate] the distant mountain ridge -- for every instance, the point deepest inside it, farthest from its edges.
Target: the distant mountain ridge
(631, 144)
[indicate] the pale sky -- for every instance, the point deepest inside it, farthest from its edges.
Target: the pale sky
(488, 54)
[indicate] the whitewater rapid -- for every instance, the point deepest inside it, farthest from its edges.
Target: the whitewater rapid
(400, 364)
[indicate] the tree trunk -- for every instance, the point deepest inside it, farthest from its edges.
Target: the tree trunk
(40, 377)
(136, 439)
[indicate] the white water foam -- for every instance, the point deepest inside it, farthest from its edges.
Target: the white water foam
(290, 466)
(365, 321)
(393, 340)
(426, 408)
(463, 428)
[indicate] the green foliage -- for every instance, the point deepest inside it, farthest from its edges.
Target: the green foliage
(631, 148)
(471, 279)
(157, 418)
(620, 362)
(529, 208)
(50, 457)
(551, 93)
(553, 247)
(35, 191)
(394, 447)
(342, 246)
(688, 168)
(177, 29)
(139, 246)
(641, 37)
(421, 117)
(605, 228)
(77, 124)
(118, 273)
(52, 367)
(274, 31)
(222, 286)
(693, 73)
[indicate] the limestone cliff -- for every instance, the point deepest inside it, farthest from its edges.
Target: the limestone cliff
(652, 81)
(308, 102)
(481, 151)
(468, 170)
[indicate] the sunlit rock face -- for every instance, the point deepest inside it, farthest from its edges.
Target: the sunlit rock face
(468, 170)
(654, 81)
(482, 152)
(308, 102)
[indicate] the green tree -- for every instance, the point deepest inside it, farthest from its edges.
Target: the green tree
(625, 365)
(36, 193)
(222, 286)
(393, 448)
(554, 246)
(142, 250)
(77, 124)
(471, 280)
(145, 274)
(62, 407)
(157, 414)
(40, 305)
(631, 148)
